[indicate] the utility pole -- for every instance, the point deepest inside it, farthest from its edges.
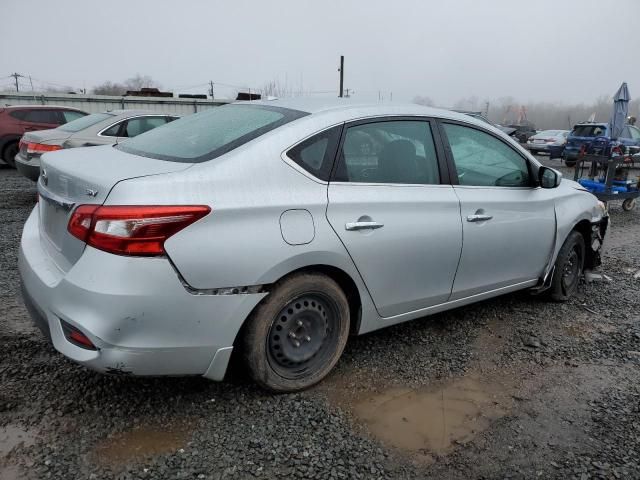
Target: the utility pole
(15, 77)
(487, 110)
(341, 70)
(211, 89)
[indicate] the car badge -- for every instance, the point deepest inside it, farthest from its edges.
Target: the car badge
(90, 192)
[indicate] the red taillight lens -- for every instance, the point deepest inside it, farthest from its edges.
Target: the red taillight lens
(40, 148)
(76, 337)
(132, 230)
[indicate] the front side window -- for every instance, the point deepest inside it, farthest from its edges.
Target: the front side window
(399, 151)
(316, 154)
(483, 160)
(209, 134)
(635, 133)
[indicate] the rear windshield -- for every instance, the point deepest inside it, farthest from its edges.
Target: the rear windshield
(589, 131)
(209, 134)
(84, 122)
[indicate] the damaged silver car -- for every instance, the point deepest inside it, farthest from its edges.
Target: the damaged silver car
(277, 229)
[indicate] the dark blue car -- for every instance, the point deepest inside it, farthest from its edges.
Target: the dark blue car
(586, 133)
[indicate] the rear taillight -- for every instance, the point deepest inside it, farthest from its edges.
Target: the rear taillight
(41, 148)
(132, 229)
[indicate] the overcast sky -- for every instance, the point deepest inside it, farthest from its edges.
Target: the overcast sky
(552, 50)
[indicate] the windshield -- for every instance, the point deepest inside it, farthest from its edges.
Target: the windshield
(207, 135)
(589, 131)
(84, 122)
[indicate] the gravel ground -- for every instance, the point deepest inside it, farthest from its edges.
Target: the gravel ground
(528, 389)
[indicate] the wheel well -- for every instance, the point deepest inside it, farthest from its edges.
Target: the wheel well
(344, 281)
(584, 228)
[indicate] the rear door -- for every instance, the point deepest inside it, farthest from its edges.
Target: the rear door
(392, 208)
(508, 222)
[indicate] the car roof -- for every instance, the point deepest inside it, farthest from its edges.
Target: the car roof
(354, 109)
(130, 112)
(35, 107)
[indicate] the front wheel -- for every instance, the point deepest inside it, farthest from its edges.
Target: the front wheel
(568, 268)
(295, 337)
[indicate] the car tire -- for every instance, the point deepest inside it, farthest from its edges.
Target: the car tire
(9, 154)
(533, 152)
(568, 268)
(296, 335)
(629, 204)
(569, 163)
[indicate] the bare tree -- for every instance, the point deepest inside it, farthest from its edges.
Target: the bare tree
(134, 83)
(140, 81)
(109, 88)
(426, 101)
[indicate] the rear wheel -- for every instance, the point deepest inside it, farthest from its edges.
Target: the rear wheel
(295, 337)
(568, 268)
(569, 163)
(9, 154)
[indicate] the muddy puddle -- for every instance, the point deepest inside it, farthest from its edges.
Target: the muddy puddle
(427, 422)
(142, 442)
(12, 435)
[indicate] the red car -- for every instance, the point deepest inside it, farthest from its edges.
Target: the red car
(16, 120)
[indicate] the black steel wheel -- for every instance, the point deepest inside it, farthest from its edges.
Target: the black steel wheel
(296, 335)
(568, 267)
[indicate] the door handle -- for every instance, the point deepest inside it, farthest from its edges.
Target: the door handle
(479, 218)
(362, 225)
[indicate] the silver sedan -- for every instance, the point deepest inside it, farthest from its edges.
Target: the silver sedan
(277, 229)
(104, 128)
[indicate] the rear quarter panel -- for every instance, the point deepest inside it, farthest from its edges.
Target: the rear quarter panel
(240, 242)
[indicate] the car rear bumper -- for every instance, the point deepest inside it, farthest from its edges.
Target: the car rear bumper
(134, 310)
(30, 168)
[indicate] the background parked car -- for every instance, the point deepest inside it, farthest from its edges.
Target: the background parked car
(523, 131)
(584, 133)
(96, 129)
(15, 121)
(546, 140)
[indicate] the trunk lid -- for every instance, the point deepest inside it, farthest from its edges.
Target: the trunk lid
(83, 176)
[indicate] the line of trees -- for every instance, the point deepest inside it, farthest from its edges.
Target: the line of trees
(544, 115)
(120, 88)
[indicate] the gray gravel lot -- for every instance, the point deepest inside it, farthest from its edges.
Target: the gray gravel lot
(514, 387)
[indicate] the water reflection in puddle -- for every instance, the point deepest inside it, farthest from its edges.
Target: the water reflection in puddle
(432, 421)
(142, 442)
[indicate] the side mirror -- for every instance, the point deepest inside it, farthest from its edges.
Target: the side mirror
(548, 177)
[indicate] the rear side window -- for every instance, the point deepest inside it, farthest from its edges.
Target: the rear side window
(136, 126)
(400, 152)
(589, 131)
(42, 116)
(209, 134)
(18, 114)
(316, 154)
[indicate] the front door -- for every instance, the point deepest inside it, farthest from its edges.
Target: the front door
(398, 221)
(508, 222)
